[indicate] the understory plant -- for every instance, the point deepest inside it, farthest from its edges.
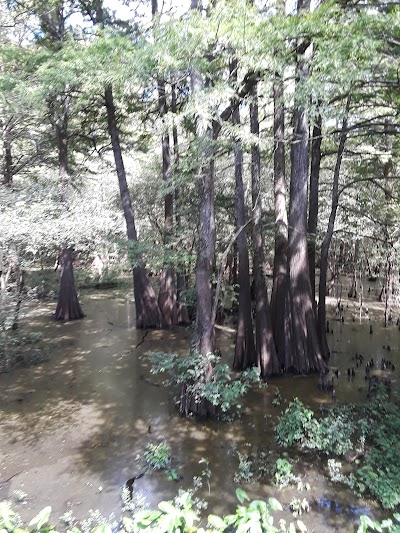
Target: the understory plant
(223, 390)
(367, 437)
(179, 516)
(176, 516)
(158, 457)
(283, 473)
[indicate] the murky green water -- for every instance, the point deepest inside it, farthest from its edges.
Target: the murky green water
(72, 428)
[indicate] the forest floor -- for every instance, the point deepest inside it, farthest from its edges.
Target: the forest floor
(74, 428)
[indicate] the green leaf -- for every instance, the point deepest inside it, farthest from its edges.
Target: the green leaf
(216, 522)
(6, 514)
(241, 495)
(274, 504)
(166, 507)
(40, 519)
(104, 528)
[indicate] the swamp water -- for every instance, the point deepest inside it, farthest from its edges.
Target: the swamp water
(74, 428)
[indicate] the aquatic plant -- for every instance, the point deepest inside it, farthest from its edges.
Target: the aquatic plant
(245, 473)
(374, 438)
(223, 391)
(277, 400)
(330, 434)
(158, 456)
(283, 473)
(298, 507)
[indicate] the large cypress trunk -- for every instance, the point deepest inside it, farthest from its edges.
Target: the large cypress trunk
(68, 307)
(306, 353)
(147, 311)
(245, 354)
(265, 348)
(328, 237)
(313, 202)
(52, 21)
(280, 294)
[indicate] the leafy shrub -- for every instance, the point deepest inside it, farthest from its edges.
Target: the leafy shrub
(374, 436)
(389, 525)
(331, 434)
(157, 456)
(222, 390)
(296, 425)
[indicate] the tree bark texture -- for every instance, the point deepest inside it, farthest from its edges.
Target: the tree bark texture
(280, 289)
(148, 314)
(245, 353)
(182, 311)
(266, 355)
(328, 237)
(68, 307)
(313, 202)
(8, 170)
(204, 332)
(305, 355)
(167, 292)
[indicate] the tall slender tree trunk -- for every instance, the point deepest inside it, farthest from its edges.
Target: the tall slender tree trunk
(391, 252)
(306, 354)
(328, 237)
(265, 348)
(313, 202)
(167, 292)
(245, 353)
(204, 331)
(182, 311)
(204, 338)
(147, 311)
(7, 152)
(280, 289)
